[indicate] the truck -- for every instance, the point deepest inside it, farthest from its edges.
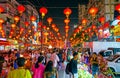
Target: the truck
(106, 48)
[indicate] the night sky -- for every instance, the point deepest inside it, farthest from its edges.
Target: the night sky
(55, 10)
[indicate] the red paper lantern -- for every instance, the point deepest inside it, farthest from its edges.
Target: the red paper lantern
(29, 31)
(117, 7)
(1, 21)
(53, 25)
(67, 11)
(11, 32)
(85, 31)
(43, 11)
(56, 29)
(33, 27)
(118, 17)
(39, 23)
(76, 30)
(89, 29)
(16, 18)
(84, 21)
(33, 18)
(106, 25)
(48, 28)
(1, 27)
(67, 27)
(49, 20)
(26, 23)
(1, 9)
(58, 34)
(13, 25)
(44, 27)
(79, 27)
(21, 8)
(93, 27)
(102, 19)
(21, 29)
(93, 11)
(119, 23)
(66, 34)
(66, 21)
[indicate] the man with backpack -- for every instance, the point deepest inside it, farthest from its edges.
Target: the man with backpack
(71, 67)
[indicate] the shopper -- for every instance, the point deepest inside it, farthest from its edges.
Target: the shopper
(102, 62)
(54, 57)
(50, 71)
(73, 65)
(20, 72)
(38, 68)
(94, 64)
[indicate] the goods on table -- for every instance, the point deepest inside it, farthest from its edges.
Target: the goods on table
(83, 71)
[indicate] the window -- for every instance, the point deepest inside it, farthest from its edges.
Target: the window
(108, 53)
(118, 60)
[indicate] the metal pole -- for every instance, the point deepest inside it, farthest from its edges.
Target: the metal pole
(41, 35)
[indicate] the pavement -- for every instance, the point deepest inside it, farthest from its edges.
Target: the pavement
(62, 74)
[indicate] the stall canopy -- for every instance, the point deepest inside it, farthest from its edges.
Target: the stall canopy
(2, 42)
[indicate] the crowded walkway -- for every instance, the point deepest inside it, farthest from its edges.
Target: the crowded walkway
(53, 63)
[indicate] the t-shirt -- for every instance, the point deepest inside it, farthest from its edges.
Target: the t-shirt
(73, 66)
(19, 73)
(55, 59)
(51, 74)
(38, 72)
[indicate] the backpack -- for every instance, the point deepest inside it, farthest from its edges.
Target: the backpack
(67, 70)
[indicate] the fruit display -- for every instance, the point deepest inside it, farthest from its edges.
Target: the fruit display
(83, 71)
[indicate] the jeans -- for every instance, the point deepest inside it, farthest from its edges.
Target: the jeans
(94, 70)
(75, 75)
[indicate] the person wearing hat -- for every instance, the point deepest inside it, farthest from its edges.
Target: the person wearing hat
(20, 72)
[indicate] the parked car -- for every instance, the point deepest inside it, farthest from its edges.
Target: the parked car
(114, 63)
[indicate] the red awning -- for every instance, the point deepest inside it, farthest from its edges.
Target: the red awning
(4, 42)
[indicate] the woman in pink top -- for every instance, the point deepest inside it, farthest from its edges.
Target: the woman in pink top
(38, 68)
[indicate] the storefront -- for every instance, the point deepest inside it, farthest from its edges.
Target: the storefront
(4, 44)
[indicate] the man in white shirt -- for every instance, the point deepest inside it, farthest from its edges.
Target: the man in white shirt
(54, 58)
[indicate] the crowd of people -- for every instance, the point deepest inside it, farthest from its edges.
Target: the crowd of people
(37, 64)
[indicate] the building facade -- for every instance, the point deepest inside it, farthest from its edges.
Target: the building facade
(10, 10)
(106, 8)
